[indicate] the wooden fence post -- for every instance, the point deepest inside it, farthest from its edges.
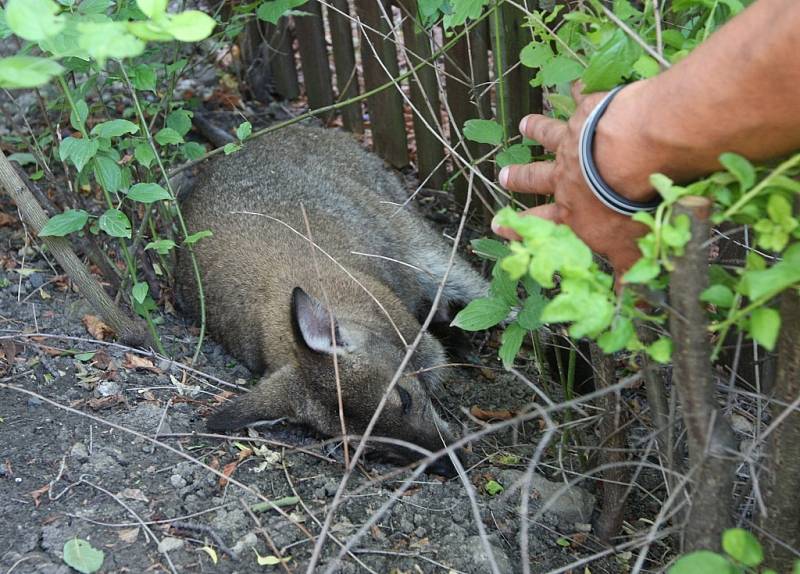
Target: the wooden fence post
(386, 107)
(310, 32)
(711, 442)
(461, 61)
(280, 57)
(425, 97)
(345, 59)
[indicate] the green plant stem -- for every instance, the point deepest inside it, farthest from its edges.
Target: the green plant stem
(497, 22)
(126, 254)
(344, 103)
(181, 221)
(763, 184)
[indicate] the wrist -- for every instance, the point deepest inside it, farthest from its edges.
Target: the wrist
(624, 151)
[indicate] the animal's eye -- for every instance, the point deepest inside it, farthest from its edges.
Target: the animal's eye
(405, 398)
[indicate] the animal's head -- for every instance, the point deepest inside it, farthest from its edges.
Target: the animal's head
(306, 391)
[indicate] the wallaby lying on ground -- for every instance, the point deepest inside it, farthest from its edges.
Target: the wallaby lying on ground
(284, 306)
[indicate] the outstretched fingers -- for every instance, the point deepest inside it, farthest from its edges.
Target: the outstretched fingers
(537, 177)
(547, 131)
(551, 211)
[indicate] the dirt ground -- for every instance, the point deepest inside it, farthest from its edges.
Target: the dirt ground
(105, 443)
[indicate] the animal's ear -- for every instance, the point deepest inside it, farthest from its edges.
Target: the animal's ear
(270, 400)
(314, 325)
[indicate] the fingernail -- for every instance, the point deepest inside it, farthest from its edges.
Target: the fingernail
(503, 176)
(495, 226)
(522, 125)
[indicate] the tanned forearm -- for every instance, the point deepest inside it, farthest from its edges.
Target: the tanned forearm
(739, 91)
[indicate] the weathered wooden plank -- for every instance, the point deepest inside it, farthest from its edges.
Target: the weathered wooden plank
(280, 58)
(345, 60)
(461, 99)
(310, 32)
(386, 107)
(521, 98)
(425, 97)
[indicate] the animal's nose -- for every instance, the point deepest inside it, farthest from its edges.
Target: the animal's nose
(443, 466)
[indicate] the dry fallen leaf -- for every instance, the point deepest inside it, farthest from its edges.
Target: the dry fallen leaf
(96, 327)
(101, 403)
(137, 362)
(129, 535)
(227, 471)
(6, 219)
(37, 494)
(133, 494)
(491, 414)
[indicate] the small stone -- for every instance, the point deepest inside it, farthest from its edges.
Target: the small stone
(34, 402)
(406, 526)
(247, 541)
(420, 532)
(170, 544)
(79, 452)
(36, 280)
(177, 481)
(107, 389)
(481, 559)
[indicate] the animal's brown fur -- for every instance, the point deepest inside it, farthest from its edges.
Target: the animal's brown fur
(270, 294)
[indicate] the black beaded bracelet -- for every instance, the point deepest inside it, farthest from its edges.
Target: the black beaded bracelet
(599, 187)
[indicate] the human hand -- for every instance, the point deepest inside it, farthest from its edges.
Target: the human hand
(606, 232)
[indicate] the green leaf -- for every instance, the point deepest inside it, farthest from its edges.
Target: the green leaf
(503, 286)
(190, 26)
(780, 210)
(180, 121)
(34, 20)
(530, 316)
(231, 147)
(741, 169)
(483, 131)
(139, 292)
(618, 337)
(510, 343)
(144, 154)
(162, 246)
(84, 357)
(515, 154)
(78, 115)
(742, 547)
(272, 11)
(94, 6)
(152, 8)
(493, 488)
(64, 223)
(560, 70)
(105, 40)
(244, 130)
(563, 542)
(761, 283)
(661, 350)
(81, 556)
(646, 66)
(269, 560)
(22, 158)
(107, 173)
(481, 314)
(489, 248)
(702, 562)
(193, 150)
(114, 128)
(148, 193)
(195, 237)
(143, 77)
(718, 295)
(27, 71)
(642, 271)
(534, 55)
(115, 223)
(765, 324)
(463, 10)
(611, 63)
(168, 136)
(77, 151)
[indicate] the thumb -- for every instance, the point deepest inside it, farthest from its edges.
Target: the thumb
(550, 211)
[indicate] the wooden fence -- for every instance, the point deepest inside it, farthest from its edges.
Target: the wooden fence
(437, 81)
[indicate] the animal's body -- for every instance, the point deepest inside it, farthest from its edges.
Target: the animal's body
(285, 307)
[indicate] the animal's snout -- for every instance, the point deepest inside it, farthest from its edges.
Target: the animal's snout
(443, 466)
